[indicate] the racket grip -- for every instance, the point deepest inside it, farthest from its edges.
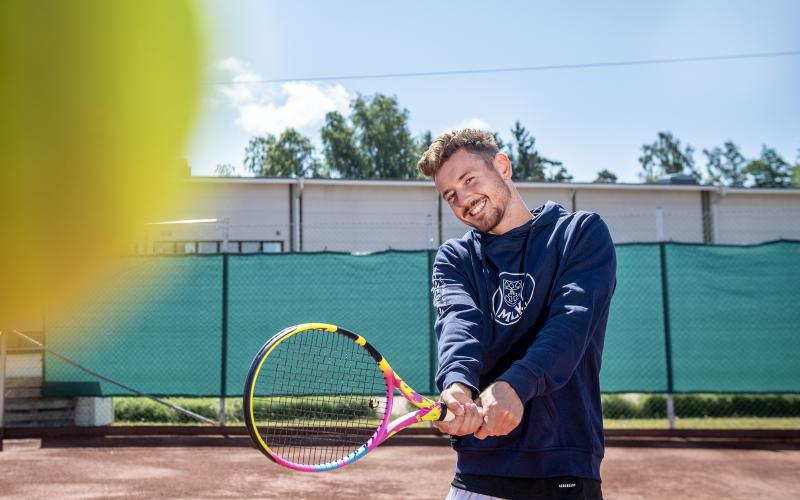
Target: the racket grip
(445, 416)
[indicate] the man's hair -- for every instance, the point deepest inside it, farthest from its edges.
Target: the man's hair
(475, 141)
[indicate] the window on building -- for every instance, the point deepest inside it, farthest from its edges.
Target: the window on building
(215, 247)
(272, 246)
(206, 247)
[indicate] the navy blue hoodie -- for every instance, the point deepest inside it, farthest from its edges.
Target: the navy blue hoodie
(529, 307)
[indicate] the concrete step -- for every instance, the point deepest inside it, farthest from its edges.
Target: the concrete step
(23, 392)
(24, 382)
(12, 418)
(21, 404)
(44, 423)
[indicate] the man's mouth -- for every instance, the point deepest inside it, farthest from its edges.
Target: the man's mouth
(477, 207)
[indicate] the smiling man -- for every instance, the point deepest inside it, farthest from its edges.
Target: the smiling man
(522, 303)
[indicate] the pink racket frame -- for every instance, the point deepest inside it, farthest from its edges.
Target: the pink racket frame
(429, 410)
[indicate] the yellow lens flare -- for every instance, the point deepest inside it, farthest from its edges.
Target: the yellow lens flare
(98, 98)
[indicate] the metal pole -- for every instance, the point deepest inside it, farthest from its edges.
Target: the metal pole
(224, 348)
(296, 219)
(665, 312)
(429, 228)
(660, 224)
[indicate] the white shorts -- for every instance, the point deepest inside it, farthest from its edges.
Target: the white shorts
(459, 494)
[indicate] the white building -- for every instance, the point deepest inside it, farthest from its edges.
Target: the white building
(310, 215)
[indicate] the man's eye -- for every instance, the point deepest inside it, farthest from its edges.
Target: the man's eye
(469, 179)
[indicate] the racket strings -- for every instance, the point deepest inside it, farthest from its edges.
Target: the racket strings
(318, 398)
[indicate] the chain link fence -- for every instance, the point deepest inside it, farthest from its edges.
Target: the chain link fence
(698, 335)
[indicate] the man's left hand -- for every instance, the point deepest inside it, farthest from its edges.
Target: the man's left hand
(502, 410)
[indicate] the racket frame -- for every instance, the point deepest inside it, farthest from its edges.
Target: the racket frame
(428, 410)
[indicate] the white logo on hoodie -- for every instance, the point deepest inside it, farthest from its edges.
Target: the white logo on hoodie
(512, 296)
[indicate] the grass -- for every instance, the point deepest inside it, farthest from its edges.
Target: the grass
(705, 423)
(622, 411)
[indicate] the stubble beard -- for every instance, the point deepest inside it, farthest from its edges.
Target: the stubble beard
(493, 214)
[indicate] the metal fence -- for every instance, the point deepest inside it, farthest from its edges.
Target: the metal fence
(697, 333)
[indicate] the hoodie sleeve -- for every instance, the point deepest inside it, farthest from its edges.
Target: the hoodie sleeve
(578, 307)
(458, 321)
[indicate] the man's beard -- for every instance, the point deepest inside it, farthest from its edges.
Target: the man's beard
(491, 218)
(493, 213)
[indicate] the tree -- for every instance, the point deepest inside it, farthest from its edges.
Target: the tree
(770, 170)
(424, 142)
(383, 137)
(605, 177)
(225, 170)
(665, 156)
(796, 171)
(339, 148)
(557, 173)
(725, 166)
(290, 155)
(528, 164)
(501, 145)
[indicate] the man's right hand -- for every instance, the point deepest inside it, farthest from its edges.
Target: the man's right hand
(468, 418)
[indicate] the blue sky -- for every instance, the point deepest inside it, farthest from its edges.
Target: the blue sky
(590, 119)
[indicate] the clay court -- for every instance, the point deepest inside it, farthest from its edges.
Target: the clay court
(215, 467)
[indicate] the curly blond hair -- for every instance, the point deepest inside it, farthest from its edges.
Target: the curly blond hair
(475, 141)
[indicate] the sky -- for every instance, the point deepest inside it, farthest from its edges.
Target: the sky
(588, 118)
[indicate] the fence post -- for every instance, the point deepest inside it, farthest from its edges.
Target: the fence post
(432, 357)
(665, 312)
(223, 378)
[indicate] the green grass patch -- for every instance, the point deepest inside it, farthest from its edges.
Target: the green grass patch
(620, 411)
(704, 423)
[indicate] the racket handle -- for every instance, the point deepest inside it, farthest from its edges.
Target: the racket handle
(445, 416)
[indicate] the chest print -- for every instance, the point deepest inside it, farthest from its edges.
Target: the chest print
(513, 294)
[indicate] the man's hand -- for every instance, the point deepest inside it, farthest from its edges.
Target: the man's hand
(458, 399)
(501, 409)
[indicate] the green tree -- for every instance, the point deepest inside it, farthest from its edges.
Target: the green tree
(557, 173)
(424, 141)
(340, 150)
(501, 145)
(796, 171)
(665, 156)
(605, 176)
(725, 166)
(225, 170)
(770, 170)
(289, 155)
(383, 137)
(528, 164)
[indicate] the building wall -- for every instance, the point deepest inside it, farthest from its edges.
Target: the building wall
(755, 216)
(250, 211)
(366, 216)
(632, 215)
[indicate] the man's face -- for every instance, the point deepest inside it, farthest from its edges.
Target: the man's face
(476, 192)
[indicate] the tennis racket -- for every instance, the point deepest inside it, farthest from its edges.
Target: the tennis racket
(319, 397)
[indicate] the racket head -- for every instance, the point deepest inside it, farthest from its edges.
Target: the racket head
(317, 396)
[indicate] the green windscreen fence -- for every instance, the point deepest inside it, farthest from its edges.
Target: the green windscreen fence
(685, 318)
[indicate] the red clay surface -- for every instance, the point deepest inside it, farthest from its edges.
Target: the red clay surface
(419, 472)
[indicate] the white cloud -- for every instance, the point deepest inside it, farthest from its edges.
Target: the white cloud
(470, 123)
(261, 110)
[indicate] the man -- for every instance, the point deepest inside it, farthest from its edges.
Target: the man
(522, 303)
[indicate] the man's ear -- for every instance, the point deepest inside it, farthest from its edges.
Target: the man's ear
(502, 164)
